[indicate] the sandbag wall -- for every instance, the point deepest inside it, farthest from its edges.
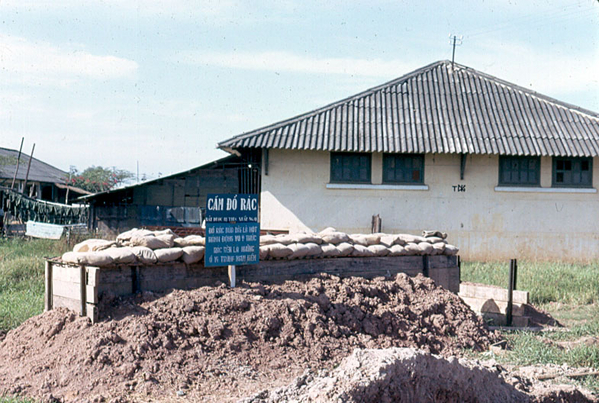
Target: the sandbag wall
(142, 260)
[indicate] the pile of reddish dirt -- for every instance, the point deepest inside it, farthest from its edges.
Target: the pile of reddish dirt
(218, 344)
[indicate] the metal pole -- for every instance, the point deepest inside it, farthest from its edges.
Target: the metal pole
(515, 273)
(453, 52)
(232, 275)
(28, 167)
(18, 160)
(510, 291)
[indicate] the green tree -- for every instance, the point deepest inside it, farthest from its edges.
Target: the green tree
(98, 179)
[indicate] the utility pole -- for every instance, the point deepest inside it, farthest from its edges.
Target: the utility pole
(454, 41)
(12, 185)
(28, 167)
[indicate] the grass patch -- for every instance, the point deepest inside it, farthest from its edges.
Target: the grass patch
(5, 399)
(546, 281)
(569, 293)
(557, 348)
(22, 278)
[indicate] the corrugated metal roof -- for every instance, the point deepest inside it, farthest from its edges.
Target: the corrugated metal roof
(219, 163)
(437, 109)
(39, 171)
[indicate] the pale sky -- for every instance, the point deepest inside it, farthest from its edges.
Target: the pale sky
(161, 82)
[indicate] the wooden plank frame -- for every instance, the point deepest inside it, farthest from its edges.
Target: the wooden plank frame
(80, 288)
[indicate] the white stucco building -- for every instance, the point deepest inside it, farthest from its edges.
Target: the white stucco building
(507, 172)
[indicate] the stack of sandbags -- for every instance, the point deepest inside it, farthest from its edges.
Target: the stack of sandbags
(331, 243)
(150, 247)
(138, 246)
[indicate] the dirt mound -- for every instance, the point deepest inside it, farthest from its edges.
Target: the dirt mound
(397, 375)
(410, 375)
(216, 343)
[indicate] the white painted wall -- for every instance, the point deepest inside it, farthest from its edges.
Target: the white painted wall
(487, 224)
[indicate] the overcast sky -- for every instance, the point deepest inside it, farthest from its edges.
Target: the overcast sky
(161, 82)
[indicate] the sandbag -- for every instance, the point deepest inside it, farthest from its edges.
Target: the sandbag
(397, 250)
(358, 239)
(284, 239)
(127, 235)
(192, 254)
(180, 242)
(327, 230)
(168, 254)
(92, 245)
(345, 249)
(167, 231)
(121, 255)
(279, 251)
(304, 237)
(425, 248)
(379, 250)
(362, 251)
(398, 240)
(407, 238)
(195, 240)
(314, 250)
(169, 239)
(438, 248)
(388, 240)
(268, 239)
(88, 258)
(335, 237)
(451, 250)
(264, 252)
(299, 251)
(428, 234)
(329, 250)
(412, 249)
(434, 239)
(152, 242)
(144, 254)
(374, 239)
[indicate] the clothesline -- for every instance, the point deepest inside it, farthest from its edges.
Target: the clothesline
(27, 209)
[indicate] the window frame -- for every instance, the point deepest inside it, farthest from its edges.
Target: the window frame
(574, 161)
(386, 168)
(354, 178)
(505, 160)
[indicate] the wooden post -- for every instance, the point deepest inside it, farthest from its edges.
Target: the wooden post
(83, 289)
(232, 275)
(135, 280)
(48, 299)
(510, 292)
(27, 174)
(425, 266)
(12, 185)
(377, 224)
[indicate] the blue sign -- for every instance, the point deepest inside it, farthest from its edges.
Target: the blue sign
(234, 208)
(232, 230)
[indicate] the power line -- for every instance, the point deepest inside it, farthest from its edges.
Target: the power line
(563, 14)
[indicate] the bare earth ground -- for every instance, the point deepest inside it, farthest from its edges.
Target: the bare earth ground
(217, 344)
(411, 375)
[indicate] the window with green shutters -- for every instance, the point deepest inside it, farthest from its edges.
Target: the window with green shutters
(572, 172)
(350, 168)
(519, 171)
(403, 168)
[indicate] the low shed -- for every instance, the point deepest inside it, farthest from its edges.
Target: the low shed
(176, 200)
